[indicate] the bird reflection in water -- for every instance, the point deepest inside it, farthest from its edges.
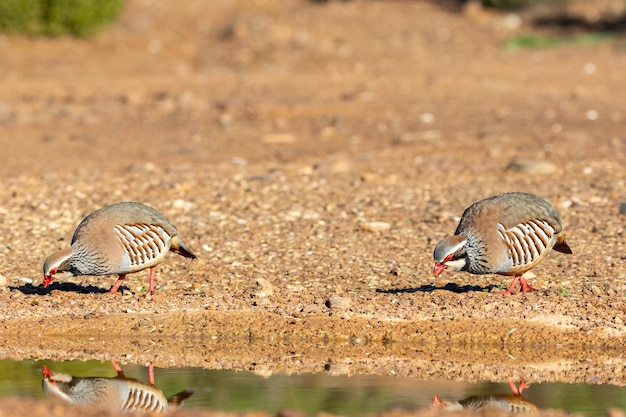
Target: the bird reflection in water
(513, 403)
(116, 393)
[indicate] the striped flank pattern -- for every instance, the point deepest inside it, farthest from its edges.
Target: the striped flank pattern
(510, 403)
(527, 242)
(141, 399)
(144, 243)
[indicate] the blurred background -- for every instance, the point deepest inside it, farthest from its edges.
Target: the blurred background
(112, 84)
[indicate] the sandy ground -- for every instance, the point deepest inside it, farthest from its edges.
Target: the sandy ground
(312, 154)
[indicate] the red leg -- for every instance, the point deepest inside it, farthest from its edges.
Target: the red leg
(437, 401)
(512, 286)
(117, 284)
(525, 285)
(117, 368)
(151, 374)
(517, 390)
(152, 275)
(522, 386)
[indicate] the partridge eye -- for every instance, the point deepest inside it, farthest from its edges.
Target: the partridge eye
(448, 258)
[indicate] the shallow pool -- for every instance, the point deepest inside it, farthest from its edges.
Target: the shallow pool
(312, 393)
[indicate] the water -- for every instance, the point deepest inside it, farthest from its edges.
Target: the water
(311, 393)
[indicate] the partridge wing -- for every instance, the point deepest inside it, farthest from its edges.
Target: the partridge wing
(144, 244)
(527, 242)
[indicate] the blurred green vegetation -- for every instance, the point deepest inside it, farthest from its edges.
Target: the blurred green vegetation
(544, 42)
(57, 17)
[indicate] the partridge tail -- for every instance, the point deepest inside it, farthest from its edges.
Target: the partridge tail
(179, 247)
(177, 399)
(561, 245)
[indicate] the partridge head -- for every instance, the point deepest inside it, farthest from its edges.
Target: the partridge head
(118, 239)
(507, 234)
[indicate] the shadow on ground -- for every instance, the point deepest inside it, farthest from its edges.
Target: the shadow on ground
(430, 288)
(30, 289)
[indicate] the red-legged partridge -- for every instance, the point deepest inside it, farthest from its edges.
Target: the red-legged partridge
(116, 394)
(512, 403)
(507, 234)
(118, 239)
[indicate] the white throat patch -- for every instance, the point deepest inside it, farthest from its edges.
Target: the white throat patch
(457, 264)
(62, 275)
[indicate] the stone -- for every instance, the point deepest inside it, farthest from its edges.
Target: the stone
(339, 303)
(532, 166)
(376, 226)
(265, 288)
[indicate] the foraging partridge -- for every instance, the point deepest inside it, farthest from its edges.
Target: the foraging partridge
(118, 239)
(507, 234)
(508, 402)
(116, 394)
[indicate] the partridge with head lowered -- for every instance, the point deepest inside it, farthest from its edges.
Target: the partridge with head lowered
(513, 403)
(113, 394)
(507, 234)
(118, 239)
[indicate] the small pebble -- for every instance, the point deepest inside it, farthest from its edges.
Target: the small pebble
(338, 369)
(427, 118)
(265, 288)
(183, 204)
(279, 138)
(531, 166)
(376, 226)
(592, 114)
(589, 68)
(339, 303)
(237, 161)
(311, 308)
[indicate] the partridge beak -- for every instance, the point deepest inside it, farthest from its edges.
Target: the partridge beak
(437, 270)
(46, 372)
(47, 280)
